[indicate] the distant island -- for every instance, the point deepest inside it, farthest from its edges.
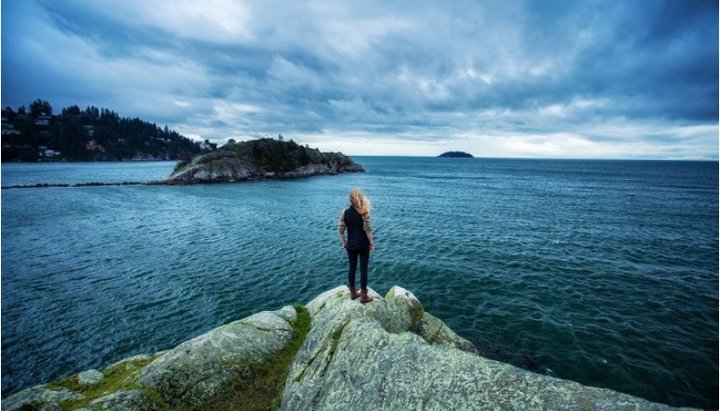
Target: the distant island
(259, 159)
(456, 154)
(93, 134)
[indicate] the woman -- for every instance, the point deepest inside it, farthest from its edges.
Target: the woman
(359, 243)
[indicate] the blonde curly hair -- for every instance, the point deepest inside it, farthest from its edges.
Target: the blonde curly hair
(359, 201)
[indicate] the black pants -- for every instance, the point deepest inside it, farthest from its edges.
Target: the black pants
(364, 256)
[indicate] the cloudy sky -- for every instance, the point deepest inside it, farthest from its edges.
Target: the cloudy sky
(579, 79)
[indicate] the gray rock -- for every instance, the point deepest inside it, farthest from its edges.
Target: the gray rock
(196, 371)
(390, 354)
(38, 396)
(126, 400)
(287, 313)
(90, 377)
(223, 169)
(51, 407)
(127, 361)
(434, 331)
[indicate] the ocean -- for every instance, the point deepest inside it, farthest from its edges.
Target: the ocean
(602, 272)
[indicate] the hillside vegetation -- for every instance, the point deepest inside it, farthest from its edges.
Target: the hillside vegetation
(93, 134)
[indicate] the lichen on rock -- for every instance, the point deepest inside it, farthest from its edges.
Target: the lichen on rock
(190, 375)
(38, 396)
(90, 377)
(196, 371)
(126, 400)
(390, 354)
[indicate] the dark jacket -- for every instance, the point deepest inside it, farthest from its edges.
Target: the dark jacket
(356, 225)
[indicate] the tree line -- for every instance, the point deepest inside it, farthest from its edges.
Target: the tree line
(92, 134)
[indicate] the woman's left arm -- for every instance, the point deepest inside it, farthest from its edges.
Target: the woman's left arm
(367, 227)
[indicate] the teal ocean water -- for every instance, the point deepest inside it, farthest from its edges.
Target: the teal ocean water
(603, 272)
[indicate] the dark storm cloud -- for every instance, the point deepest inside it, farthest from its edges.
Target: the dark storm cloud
(553, 78)
(658, 62)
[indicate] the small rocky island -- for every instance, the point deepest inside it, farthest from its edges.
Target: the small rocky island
(260, 159)
(332, 353)
(456, 154)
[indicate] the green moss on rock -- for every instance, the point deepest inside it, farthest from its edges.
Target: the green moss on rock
(265, 389)
(117, 377)
(196, 372)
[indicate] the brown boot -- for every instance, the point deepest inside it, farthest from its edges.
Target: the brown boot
(353, 293)
(364, 297)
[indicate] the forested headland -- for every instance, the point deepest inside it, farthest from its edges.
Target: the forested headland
(92, 134)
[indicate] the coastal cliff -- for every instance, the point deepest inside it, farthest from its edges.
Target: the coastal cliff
(332, 353)
(257, 159)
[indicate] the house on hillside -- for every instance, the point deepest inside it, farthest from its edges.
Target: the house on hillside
(42, 120)
(90, 130)
(47, 153)
(7, 128)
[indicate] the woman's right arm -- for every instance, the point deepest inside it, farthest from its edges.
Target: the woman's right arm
(341, 229)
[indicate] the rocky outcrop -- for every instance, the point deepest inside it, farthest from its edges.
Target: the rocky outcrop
(40, 397)
(196, 371)
(258, 159)
(388, 354)
(391, 354)
(189, 376)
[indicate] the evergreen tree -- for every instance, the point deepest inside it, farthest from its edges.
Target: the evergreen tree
(40, 108)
